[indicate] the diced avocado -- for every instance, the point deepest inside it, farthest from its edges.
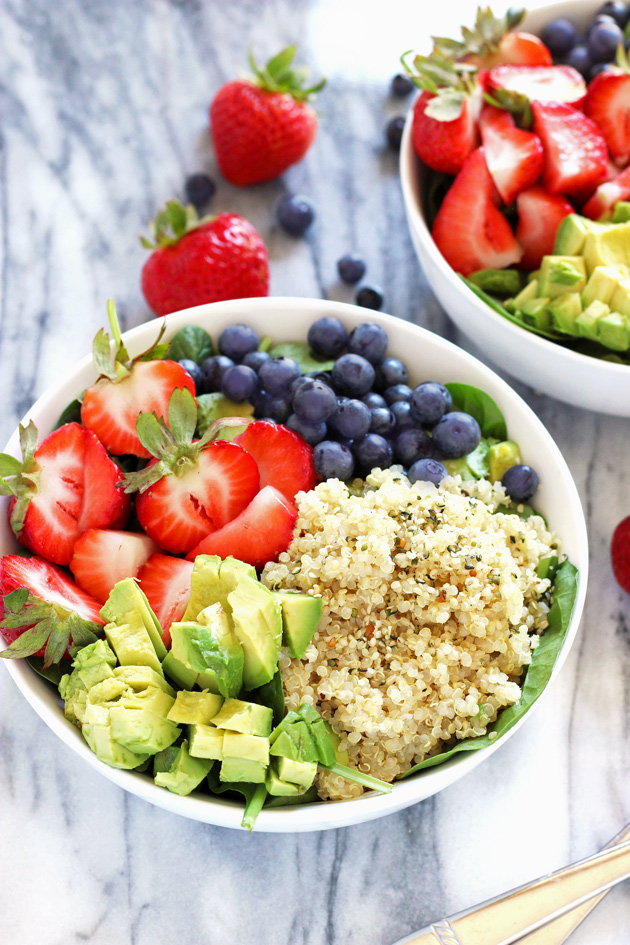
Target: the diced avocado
(107, 690)
(609, 246)
(165, 759)
(74, 694)
(139, 720)
(295, 742)
(472, 466)
(249, 747)
(322, 735)
(132, 644)
(97, 732)
(180, 674)
(94, 662)
(564, 311)
(278, 788)
(211, 648)
(525, 295)
(536, 313)
(571, 235)
(561, 274)
(258, 625)
(602, 284)
(621, 212)
(620, 299)
(206, 741)
(186, 773)
(242, 770)
(215, 406)
(297, 772)
(141, 677)
(501, 457)
(300, 615)
(587, 321)
(247, 717)
(212, 580)
(341, 755)
(497, 281)
(194, 708)
(613, 332)
(126, 598)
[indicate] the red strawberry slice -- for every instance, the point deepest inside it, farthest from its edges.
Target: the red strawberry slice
(606, 196)
(284, 459)
(520, 48)
(469, 230)
(620, 554)
(608, 104)
(258, 535)
(444, 145)
(102, 557)
(539, 216)
(57, 612)
(65, 486)
(111, 409)
(514, 157)
(166, 583)
(539, 83)
(180, 509)
(576, 155)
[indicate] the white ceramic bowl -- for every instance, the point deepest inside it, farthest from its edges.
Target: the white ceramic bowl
(428, 357)
(575, 378)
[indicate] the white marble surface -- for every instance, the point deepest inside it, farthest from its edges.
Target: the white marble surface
(103, 112)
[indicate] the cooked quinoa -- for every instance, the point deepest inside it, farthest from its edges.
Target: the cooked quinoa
(431, 611)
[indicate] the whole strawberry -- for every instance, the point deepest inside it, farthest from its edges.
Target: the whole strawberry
(262, 126)
(202, 260)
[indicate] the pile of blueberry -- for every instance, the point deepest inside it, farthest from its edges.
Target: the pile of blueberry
(592, 52)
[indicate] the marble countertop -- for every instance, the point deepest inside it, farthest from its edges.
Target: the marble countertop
(104, 113)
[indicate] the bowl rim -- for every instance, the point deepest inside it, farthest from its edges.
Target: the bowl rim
(314, 816)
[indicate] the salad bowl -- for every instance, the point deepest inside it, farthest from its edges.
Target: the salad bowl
(428, 357)
(578, 379)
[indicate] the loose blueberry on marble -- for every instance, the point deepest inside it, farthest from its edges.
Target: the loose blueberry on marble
(370, 297)
(295, 214)
(199, 190)
(394, 132)
(351, 268)
(401, 86)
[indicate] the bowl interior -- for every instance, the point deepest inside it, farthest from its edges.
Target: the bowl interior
(428, 357)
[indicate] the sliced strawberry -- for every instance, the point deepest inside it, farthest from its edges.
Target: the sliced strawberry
(606, 196)
(608, 104)
(44, 611)
(514, 157)
(284, 459)
(539, 216)
(519, 49)
(492, 41)
(258, 535)
(576, 155)
(102, 557)
(444, 145)
(539, 83)
(62, 487)
(166, 583)
(469, 230)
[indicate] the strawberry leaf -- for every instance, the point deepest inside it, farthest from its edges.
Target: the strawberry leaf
(15, 601)
(9, 465)
(102, 355)
(154, 435)
(28, 642)
(182, 416)
(28, 442)
(447, 106)
(279, 76)
(143, 479)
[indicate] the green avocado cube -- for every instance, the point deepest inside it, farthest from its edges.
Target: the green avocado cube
(587, 321)
(248, 747)
(241, 770)
(608, 246)
(258, 625)
(301, 614)
(141, 677)
(602, 284)
(132, 643)
(561, 274)
(127, 604)
(206, 741)
(621, 212)
(139, 721)
(571, 235)
(501, 457)
(97, 732)
(564, 311)
(74, 694)
(529, 292)
(247, 717)
(620, 299)
(212, 649)
(94, 662)
(612, 331)
(181, 675)
(297, 772)
(212, 580)
(536, 313)
(296, 742)
(186, 772)
(278, 788)
(195, 707)
(107, 690)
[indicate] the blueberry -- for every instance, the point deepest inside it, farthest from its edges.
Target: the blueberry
(520, 482)
(598, 68)
(314, 401)
(580, 59)
(382, 421)
(372, 452)
(236, 341)
(195, 372)
(429, 402)
(295, 214)
(618, 11)
(324, 376)
(559, 36)
(411, 445)
(370, 341)
(602, 41)
(352, 375)
(401, 409)
(212, 370)
(372, 399)
(333, 460)
(277, 374)
(394, 132)
(279, 408)
(261, 401)
(391, 371)
(369, 297)
(313, 433)
(456, 434)
(351, 418)
(200, 190)
(327, 337)
(427, 470)
(297, 383)
(397, 392)
(255, 359)
(239, 382)
(351, 268)
(401, 86)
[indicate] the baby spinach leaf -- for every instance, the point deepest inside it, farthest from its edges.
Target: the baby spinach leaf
(254, 794)
(307, 798)
(501, 310)
(301, 353)
(480, 406)
(537, 675)
(191, 342)
(52, 673)
(72, 414)
(272, 695)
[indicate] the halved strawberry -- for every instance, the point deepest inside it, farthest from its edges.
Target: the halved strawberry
(44, 611)
(61, 488)
(469, 230)
(606, 196)
(539, 83)
(608, 104)
(284, 459)
(166, 583)
(258, 535)
(514, 156)
(102, 557)
(444, 144)
(539, 216)
(576, 155)
(491, 42)
(126, 388)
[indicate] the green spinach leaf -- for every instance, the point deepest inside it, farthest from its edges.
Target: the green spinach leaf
(272, 695)
(72, 414)
(480, 406)
(301, 353)
(501, 310)
(190, 342)
(52, 673)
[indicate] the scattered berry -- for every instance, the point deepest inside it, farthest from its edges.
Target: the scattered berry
(394, 132)
(200, 189)
(295, 214)
(401, 86)
(370, 297)
(351, 268)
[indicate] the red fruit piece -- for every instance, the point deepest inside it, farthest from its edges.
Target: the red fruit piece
(61, 488)
(539, 216)
(166, 583)
(258, 535)
(44, 611)
(606, 196)
(514, 157)
(608, 104)
(539, 83)
(284, 459)
(469, 230)
(492, 41)
(102, 557)
(620, 554)
(444, 145)
(576, 156)
(519, 49)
